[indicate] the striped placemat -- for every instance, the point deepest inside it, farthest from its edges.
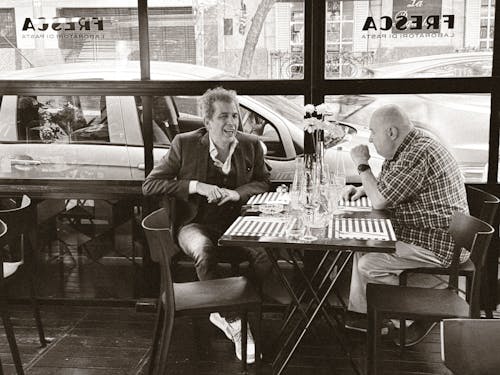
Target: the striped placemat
(257, 226)
(362, 203)
(362, 229)
(269, 197)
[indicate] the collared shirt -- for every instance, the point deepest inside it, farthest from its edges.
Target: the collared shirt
(423, 186)
(226, 166)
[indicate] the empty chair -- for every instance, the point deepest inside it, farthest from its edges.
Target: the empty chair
(193, 298)
(484, 206)
(20, 221)
(398, 302)
(470, 346)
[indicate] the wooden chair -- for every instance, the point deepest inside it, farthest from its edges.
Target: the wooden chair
(193, 298)
(469, 346)
(20, 223)
(392, 301)
(484, 206)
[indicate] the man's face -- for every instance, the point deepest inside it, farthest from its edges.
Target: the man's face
(223, 125)
(381, 139)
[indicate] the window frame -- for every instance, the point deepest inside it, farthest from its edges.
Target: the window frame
(313, 86)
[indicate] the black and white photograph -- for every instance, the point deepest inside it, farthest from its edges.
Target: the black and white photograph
(220, 187)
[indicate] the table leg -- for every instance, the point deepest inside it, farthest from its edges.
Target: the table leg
(309, 316)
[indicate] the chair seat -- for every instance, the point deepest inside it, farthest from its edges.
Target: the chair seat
(214, 294)
(417, 303)
(9, 268)
(466, 268)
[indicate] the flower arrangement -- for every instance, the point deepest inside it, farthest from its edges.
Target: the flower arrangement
(323, 117)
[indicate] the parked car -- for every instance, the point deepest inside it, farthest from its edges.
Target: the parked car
(104, 140)
(459, 121)
(100, 136)
(460, 64)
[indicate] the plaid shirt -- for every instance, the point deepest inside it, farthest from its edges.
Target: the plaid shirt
(423, 186)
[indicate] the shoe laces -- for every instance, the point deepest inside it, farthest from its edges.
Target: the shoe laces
(237, 333)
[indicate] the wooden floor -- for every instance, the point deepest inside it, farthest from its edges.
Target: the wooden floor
(116, 340)
(109, 340)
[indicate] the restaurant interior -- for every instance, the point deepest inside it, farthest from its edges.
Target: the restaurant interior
(92, 96)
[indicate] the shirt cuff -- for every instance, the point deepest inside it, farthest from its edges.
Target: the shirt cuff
(192, 186)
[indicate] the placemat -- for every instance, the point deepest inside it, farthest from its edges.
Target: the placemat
(362, 229)
(269, 197)
(362, 204)
(257, 226)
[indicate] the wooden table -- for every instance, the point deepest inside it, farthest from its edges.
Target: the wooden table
(310, 303)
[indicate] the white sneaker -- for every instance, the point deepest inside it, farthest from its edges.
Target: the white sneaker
(233, 332)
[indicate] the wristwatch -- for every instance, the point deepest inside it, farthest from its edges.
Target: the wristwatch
(363, 167)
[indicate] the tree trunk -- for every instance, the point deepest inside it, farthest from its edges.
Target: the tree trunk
(253, 36)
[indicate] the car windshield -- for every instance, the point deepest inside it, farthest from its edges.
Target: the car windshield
(284, 107)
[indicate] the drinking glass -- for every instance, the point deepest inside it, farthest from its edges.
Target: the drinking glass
(337, 184)
(295, 228)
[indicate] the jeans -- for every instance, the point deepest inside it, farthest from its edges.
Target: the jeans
(200, 243)
(383, 268)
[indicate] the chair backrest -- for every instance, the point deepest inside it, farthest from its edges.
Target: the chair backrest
(3, 228)
(474, 235)
(159, 236)
(469, 346)
(19, 220)
(482, 205)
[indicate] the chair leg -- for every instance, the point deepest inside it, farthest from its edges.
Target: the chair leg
(9, 331)
(373, 341)
(156, 337)
(1, 368)
(36, 313)
(402, 335)
(258, 337)
(166, 336)
(244, 336)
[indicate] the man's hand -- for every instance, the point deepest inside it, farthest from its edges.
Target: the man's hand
(360, 154)
(353, 193)
(229, 195)
(212, 192)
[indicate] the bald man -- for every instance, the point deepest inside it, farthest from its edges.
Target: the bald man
(421, 184)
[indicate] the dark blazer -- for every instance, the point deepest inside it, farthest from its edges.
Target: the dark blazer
(187, 160)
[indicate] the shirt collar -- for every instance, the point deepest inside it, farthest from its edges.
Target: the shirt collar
(407, 141)
(226, 166)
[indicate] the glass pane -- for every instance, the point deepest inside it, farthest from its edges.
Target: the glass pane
(408, 38)
(236, 39)
(48, 39)
(459, 121)
(74, 137)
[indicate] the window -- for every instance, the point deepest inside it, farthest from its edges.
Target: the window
(405, 38)
(75, 137)
(458, 121)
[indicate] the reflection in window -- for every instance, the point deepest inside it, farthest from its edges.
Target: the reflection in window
(62, 119)
(211, 34)
(370, 39)
(459, 121)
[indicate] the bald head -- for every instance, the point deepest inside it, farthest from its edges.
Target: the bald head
(389, 126)
(391, 115)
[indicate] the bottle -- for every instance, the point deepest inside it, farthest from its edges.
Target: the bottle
(339, 172)
(298, 180)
